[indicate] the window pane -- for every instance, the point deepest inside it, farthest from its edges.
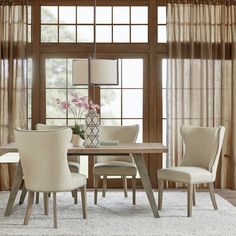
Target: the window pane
(103, 15)
(29, 103)
(55, 73)
(121, 33)
(29, 33)
(103, 34)
(67, 33)
(56, 122)
(164, 73)
(161, 15)
(67, 15)
(49, 15)
(110, 121)
(49, 33)
(120, 15)
(136, 122)
(85, 15)
(164, 103)
(139, 15)
(129, 110)
(85, 33)
(139, 34)
(132, 73)
(110, 103)
(29, 15)
(52, 109)
(161, 34)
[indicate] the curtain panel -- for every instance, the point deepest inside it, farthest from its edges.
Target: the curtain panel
(201, 84)
(13, 77)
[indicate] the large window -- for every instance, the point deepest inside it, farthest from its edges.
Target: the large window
(59, 86)
(123, 104)
(112, 24)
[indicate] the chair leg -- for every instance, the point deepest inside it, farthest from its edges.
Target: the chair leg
(45, 200)
(96, 181)
(55, 209)
(104, 185)
(190, 199)
(194, 195)
(75, 195)
(29, 207)
(23, 194)
(37, 198)
(125, 186)
(160, 193)
(84, 201)
(212, 194)
(134, 189)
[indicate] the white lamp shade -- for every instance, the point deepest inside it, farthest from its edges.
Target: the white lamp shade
(80, 72)
(103, 71)
(94, 71)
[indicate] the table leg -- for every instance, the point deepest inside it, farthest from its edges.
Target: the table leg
(14, 190)
(139, 161)
(23, 194)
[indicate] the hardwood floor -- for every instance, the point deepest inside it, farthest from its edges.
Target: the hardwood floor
(227, 194)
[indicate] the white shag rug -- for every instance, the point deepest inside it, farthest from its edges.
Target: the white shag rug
(115, 215)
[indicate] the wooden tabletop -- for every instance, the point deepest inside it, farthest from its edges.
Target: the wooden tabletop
(121, 148)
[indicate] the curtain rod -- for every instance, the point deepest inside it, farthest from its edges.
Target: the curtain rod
(205, 2)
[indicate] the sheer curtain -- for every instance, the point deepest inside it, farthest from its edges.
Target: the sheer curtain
(201, 87)
(13, 77)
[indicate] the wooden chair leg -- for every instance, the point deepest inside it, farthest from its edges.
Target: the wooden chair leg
(125, 186)
(23, 194)
(194, 195)
(190, 199)
(84, 201)
(160, 193)
(104, 185)
(45, 200)
(55, 209)
(29, 207)
(212, 194)
(96, 181)
(37, 198)
(134, 189)
(75, 194)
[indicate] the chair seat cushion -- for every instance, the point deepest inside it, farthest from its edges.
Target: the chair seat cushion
(186, 174)
(114, 168)
(78, 180)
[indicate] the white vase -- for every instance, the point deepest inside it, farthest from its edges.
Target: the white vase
(91, 129)
(77, 140)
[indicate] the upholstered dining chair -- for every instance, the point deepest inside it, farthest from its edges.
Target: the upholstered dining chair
(73, 160)
(202, 148)
(43, 156)
(116, 165)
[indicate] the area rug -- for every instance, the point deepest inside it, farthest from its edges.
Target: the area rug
(115, 215)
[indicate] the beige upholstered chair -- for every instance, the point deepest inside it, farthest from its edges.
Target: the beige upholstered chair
(116, 165)
(199, 165)
(43, 156)
(73, 160)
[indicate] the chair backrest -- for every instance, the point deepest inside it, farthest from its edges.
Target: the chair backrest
(43, 156)
(123, 134)
(202, 146)
(39, 126)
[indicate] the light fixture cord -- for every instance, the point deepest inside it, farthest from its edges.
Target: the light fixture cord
(95, 44)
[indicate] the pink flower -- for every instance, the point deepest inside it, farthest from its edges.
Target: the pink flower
(65, 105)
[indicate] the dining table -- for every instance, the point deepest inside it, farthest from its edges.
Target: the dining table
(136, 149)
